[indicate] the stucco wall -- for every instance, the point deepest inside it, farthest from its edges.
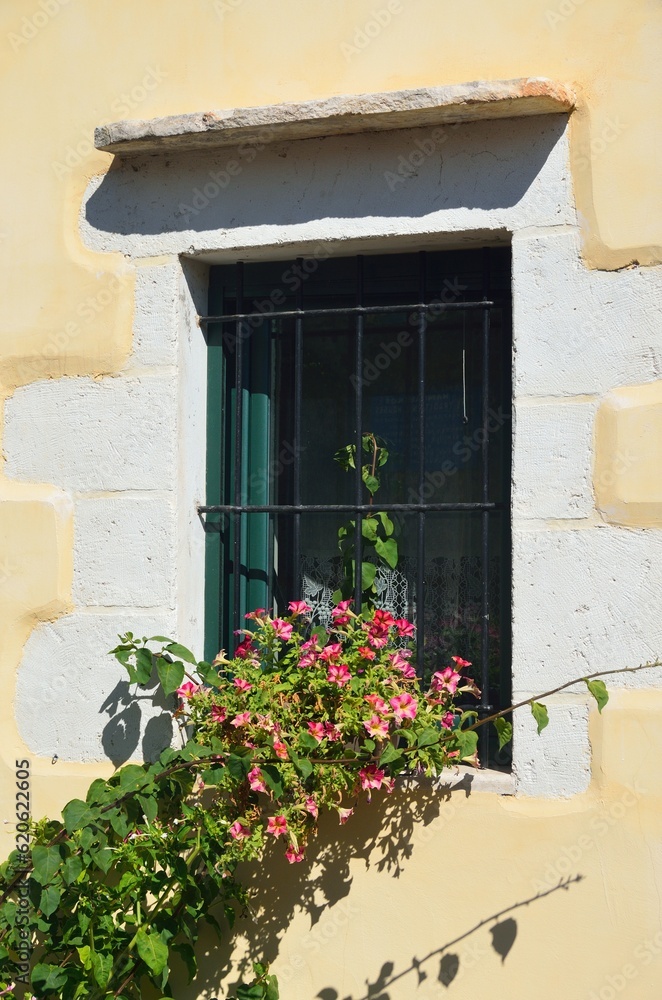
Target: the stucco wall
(102, 376)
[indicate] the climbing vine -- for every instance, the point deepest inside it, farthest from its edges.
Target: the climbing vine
(298, 721)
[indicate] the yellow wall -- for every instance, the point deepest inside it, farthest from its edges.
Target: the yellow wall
(68, 66)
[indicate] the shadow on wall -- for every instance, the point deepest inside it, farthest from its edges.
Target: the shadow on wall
(408, 173)
(384, 838)
(121, 734)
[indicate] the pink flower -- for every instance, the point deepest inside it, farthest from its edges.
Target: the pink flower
(243, 719)
(332, 732)
(445, 680)
(378, 641)
(280, 750)
(266, 723)
(378, 704)
(299, 607)
(244, 649)
(258, 613)
(311, 807)
(371, 777)
(311, 644)
(218, 713)
(404, 706)
(366, 652)
(399, 663)
(383, 618)
(342, 606)
(256, 781)
(241, 684)
(470, 686)
(293, 855)
(447, 720)
(187, 690)
(282, 628)
(339, 613)
(404, 627)
(331, 652)
(459, 662)
(277, 826)
(316, 729)
(377, 727)
(339, 675)
(307, 660)
(344, 814)
(238, 831)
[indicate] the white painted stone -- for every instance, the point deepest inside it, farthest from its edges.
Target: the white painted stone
(72, 699)
(123, 552)
(83, 434)
(579, 331)
(552, 459)
(585, 600)
(556, 763)
(491, 177)
(154, 331)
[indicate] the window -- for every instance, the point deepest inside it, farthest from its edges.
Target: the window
(307, 356)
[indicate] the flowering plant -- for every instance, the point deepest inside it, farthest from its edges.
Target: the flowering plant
(321, 719)
(298, 720)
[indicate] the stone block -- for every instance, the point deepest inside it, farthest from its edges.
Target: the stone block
(556, 763)
(552, 460)
(628, 456)
(585, 600)
(154, 327)
(124, 552)
(72, 698)
(87, 435)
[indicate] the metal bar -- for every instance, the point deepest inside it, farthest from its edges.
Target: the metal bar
(358, 486)
(238, 421)
(485, 540)
(343, 311)
(298, 377)
(343, 508)
(420, 583)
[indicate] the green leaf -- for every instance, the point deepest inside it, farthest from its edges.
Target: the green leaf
(159, 638)
(143, 666)
(152, 950)
(368, 574)
(102, 966)
(175, 649)
(49, 900)
(213, 775)
(48, 978)
(369, 745)
(345, 457)
(308, 740)
(76, 814)
(118, 821)
(302, 765)
(390, 755)
(504, 731)
(273, 779)
(209, 674)
(467, 742)
(132, 777)
(187, 954)
(103, 858)
(428, 737)
(271, 992)
(149, 806)
(46, 861)
(72, 868)
(170, 675)
(599, 691)
(238, 766)
(369, 528)
(539, 713)
(388, 551)
(370, 482)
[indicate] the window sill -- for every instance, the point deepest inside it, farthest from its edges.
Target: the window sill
(468, 779)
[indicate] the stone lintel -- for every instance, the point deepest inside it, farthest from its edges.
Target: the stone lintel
(341, 115)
